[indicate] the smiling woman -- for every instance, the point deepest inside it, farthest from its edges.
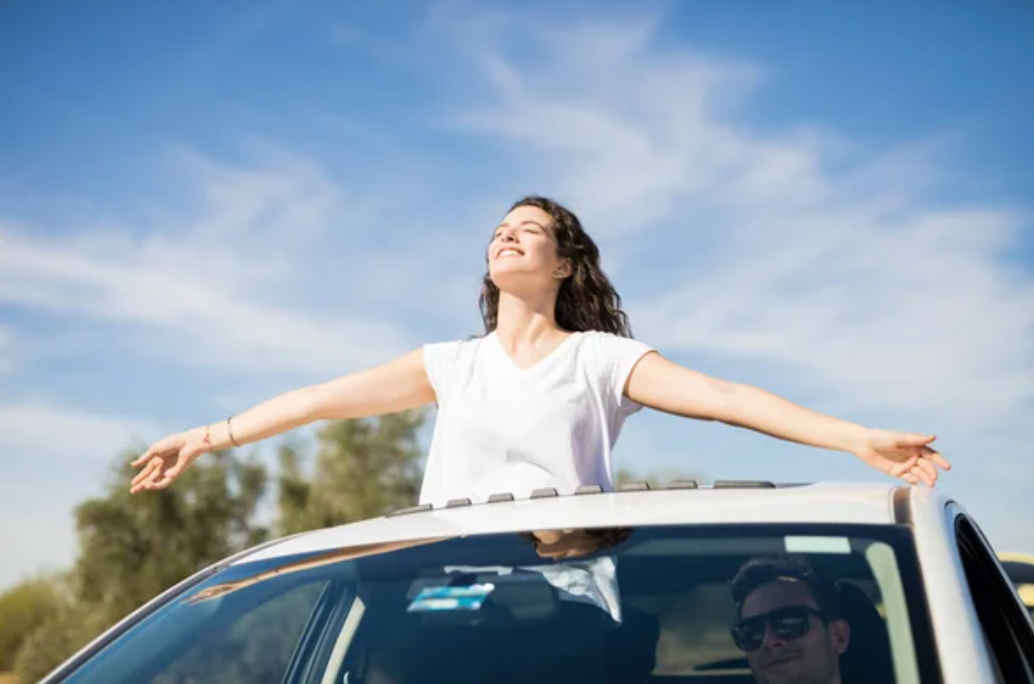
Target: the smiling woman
(540, 399)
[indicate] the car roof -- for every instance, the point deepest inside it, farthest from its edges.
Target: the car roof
(635, 505)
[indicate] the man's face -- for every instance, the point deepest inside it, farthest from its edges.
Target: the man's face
(811, 657)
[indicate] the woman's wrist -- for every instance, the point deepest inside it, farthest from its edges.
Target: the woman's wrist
(213, 436)
(202, 434)
(855, 439)
(216, 436)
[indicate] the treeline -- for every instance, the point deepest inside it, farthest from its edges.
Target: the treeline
(133, 547)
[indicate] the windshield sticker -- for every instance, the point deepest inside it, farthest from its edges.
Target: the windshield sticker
(817, 544)
(593, 581)
(450, 598)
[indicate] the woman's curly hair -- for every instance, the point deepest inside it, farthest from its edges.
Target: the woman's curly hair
(587, 300)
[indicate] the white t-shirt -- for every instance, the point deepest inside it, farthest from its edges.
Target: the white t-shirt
(503, 429)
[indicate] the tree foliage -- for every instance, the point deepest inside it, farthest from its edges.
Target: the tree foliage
(23, 608)
(62, 634)
(363, 468)
(132, 548)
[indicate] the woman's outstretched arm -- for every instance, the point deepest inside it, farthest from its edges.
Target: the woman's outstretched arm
(396, 386)
(666, 386)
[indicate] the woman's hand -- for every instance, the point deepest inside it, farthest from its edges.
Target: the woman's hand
(901, 454)
(167, 458)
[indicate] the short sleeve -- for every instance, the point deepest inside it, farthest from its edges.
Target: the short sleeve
(439, 362)
(617, 357)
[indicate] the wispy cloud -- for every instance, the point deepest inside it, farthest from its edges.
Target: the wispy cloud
(849, 275)
(50, 431)
(627, 128)
(6, 356)
(853, 266)
(850, 270)
(211, 288)
(914, 313)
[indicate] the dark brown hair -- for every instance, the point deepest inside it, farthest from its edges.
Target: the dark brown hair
(587, 300)
(785, 568)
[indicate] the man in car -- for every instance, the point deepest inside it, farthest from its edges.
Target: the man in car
(790, 622)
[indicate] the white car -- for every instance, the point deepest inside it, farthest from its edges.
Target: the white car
(629, 586)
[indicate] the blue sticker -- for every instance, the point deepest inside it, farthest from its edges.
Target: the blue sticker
(450, 598)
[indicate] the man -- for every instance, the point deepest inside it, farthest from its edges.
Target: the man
(790, 622)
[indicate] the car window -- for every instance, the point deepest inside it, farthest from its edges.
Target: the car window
(1006, 626)
(242, 639)
(652, 604)
(1020, 570)
(255, 647)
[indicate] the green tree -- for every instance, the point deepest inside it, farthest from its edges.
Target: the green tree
(23, 608)
(132, 548)
(63, 633)
(363, 468)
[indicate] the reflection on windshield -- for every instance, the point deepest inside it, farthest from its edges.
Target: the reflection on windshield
(308, 563)
(576, 543)
(572, 574)
(623, 605)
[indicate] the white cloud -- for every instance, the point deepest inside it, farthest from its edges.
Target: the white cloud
(907, 314)
(803, 248)
(7, 363)
(622, 129)
(834, 259)
(850, 273)
(225, 288)
(286, 201)
(62, 433)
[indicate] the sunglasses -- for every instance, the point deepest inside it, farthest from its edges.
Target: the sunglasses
(787, 623)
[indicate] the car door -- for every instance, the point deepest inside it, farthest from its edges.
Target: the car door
(1006, 625)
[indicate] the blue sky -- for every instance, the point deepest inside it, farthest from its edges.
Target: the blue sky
(206, 204)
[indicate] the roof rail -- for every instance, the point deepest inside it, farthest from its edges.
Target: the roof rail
(589, 489)
(743, 484)
(411, 509)
(544, 493)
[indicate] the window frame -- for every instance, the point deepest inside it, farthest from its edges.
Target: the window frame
(1004, 621)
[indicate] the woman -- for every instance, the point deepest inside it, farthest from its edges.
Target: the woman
(538, 401)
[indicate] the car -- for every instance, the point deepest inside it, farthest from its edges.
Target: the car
(1020, 569)
(624, 586)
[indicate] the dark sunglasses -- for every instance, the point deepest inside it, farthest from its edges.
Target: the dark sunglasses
(787, 623)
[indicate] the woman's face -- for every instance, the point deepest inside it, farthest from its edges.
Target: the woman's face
(523, 251)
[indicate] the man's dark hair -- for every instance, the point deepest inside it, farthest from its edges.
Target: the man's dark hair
(788, 568)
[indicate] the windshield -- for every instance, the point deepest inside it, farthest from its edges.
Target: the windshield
(656, 604)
